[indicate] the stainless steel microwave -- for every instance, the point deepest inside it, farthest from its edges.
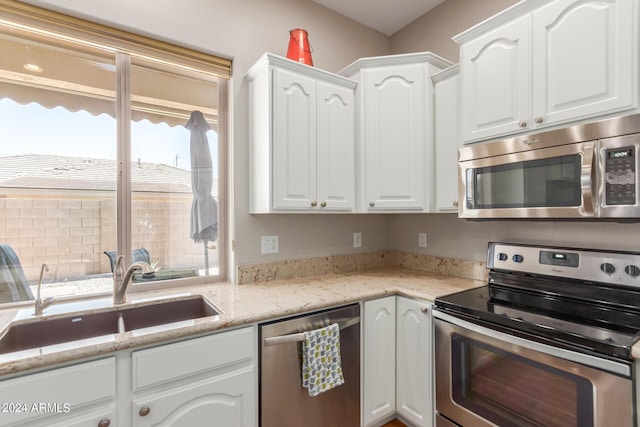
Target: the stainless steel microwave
(583, 171)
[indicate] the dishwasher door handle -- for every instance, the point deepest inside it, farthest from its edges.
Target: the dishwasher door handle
(283, 339)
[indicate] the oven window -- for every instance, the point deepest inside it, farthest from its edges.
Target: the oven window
(510, 390)
(552, 182)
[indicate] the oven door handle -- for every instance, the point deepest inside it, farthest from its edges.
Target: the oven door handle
(573, 356)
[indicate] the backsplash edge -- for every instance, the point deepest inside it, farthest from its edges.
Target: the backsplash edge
(336, 264)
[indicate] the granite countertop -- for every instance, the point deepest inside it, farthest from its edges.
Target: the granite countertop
(244, 305)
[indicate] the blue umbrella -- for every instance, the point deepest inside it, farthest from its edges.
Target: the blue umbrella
(204, 208)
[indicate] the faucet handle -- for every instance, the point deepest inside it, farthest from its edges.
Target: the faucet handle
(118, 269)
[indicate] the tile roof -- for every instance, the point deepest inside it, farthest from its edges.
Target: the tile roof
(82, 173)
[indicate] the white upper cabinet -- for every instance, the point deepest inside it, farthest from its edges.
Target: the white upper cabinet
(496, 81)
(302, 149)
(294, 140)
(335, 152)
(543, 63)
(447, 138)
(583, 59)
(395, 131)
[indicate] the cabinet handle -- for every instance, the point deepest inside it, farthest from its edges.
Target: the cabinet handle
(144, 411)
(314, 203)
(372, 204)
(538, 119)
(425, 310)
(323, 204)
(522, 124)
(455, 203)
(105, 422)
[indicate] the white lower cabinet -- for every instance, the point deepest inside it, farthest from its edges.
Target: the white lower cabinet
(379, 359)
(79, 395)
(205, 381)
(398, 362)
(414, 362)
(223, 400)
(208, 381)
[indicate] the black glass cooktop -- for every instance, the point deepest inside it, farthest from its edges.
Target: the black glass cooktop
(592, 318)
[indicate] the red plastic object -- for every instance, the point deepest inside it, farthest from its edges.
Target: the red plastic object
(299, 49)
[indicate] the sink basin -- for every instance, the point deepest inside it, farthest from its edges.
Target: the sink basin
(79, 326)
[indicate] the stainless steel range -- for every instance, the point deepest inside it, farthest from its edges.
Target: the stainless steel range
(546, 343)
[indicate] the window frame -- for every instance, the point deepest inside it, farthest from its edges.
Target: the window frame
(125, 46)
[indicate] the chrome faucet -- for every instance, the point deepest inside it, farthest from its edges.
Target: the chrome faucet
(122, 278)
(40, 304)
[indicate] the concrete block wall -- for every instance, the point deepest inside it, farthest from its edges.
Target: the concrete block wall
(70, 232)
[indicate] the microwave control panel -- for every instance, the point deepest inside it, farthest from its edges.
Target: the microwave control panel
(620, 176)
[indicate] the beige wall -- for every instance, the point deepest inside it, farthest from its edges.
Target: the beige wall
(434, 30)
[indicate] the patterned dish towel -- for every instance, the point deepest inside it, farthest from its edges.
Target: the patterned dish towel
(321, 363)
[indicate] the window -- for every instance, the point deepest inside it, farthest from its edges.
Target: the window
(112, 144)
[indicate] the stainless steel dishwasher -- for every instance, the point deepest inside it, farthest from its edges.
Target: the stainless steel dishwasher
(283, 400)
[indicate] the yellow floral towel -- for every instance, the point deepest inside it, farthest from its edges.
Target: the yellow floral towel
(321, 363)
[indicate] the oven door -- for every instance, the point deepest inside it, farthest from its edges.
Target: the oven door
(544, 183)
(487, 378)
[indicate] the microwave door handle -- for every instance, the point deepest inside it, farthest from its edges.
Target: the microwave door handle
(588, 178)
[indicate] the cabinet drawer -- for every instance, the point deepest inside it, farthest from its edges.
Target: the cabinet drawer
(57, 391)
(172, 361)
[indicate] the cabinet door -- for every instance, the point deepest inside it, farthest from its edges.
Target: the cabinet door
(583, 58)
(496, 81)
(294, 140)
(394, 142)
(335, 147)
(227, 400)
(447, 143)
(379, 359)
(414, 382)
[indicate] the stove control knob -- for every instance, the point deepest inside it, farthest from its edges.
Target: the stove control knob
(632, 270)
(608, 268)
(502, 256)
(518, 258)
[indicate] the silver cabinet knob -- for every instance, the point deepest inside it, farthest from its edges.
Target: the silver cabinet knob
(372, 204)
(314, 203)
(105, 422)
(144, 411)
(538, 120)
(455, 203)
(424, 310)
(522, 124)
(323, 204)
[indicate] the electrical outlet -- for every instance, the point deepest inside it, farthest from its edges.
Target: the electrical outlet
(270, 245)
(357, 240)
(422, 240)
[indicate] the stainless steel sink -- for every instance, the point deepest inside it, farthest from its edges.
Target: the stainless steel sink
(36, 333)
